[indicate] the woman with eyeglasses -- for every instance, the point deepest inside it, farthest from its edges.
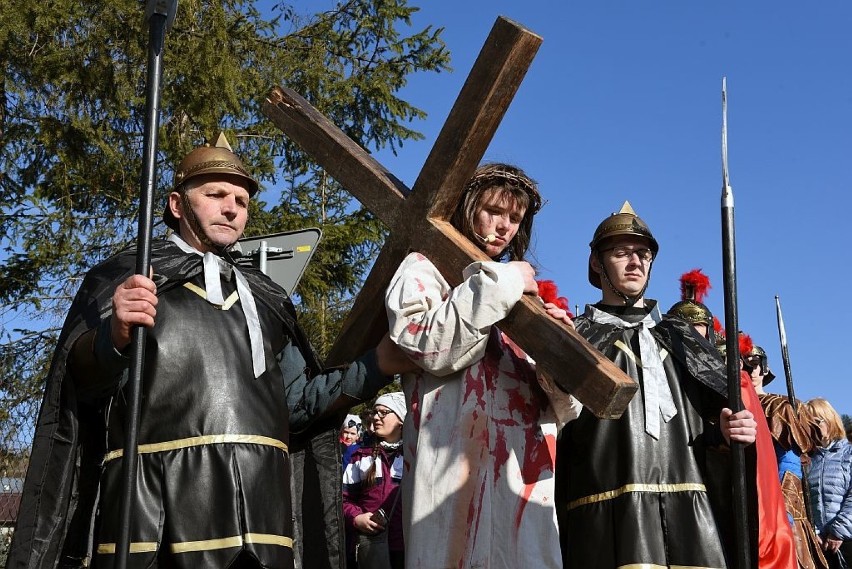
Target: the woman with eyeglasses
(830, 482)
(371, 504)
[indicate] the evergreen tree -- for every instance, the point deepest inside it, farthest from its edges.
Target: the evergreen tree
(71, 127)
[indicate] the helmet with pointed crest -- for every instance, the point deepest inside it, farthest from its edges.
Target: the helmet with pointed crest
(624, 222)
(206, 160)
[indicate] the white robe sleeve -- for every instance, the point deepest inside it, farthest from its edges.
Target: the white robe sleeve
(446, 329)
(565, 406)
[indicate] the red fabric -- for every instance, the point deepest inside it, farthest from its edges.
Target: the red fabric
(776, 548)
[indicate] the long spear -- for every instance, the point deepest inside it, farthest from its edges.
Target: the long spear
(791, 396)
(159, 14)
(735, 402)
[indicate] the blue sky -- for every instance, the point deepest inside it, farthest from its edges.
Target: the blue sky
(623, 103)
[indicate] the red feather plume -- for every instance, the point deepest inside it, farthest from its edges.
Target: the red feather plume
(548, 292)
(746, 345)
(697, 282)
(717, 327)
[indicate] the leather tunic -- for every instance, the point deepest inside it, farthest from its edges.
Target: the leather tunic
(625, 498)
(62, 497)
(220, 436)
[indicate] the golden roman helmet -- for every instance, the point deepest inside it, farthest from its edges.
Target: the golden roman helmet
(204, 160)
(692, 311)
(694, 285)
(623, 222)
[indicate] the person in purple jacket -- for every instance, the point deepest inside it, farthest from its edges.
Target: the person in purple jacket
(371, 483)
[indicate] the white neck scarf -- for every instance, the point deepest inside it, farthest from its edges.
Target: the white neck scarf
(214, 266)
(658, 395)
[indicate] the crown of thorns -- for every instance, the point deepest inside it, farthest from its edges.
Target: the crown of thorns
(490, 178)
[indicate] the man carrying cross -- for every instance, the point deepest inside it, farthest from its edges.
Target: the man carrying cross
(634, 491)
(480, 439)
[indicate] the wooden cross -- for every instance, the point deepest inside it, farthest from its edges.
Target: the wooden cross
(419, 219)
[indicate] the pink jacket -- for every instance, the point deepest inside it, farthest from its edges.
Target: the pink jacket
(358, 499)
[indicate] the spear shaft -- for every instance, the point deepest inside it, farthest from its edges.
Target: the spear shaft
(735, 402)
(159, 14)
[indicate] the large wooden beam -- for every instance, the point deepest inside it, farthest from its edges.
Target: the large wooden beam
(418, 219)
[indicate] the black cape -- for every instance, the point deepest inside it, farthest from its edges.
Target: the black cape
(597, 460)
(54, 521)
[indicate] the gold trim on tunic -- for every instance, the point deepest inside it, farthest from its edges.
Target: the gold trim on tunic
(199, 441)
(204, 545)
(655, 566)
(633, 488)
(227, 542)
(137, 547)
(229, 302)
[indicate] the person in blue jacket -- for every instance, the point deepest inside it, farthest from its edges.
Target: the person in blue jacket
(830, 483)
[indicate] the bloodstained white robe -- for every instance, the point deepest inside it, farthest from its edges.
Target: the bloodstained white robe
(480, 436)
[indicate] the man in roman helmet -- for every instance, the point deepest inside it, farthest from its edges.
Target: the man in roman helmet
(228, 378)
(773, 539)
(691, 308)
(632, 492)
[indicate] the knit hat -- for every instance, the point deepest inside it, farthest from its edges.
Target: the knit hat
(395, 402)
(352, 421)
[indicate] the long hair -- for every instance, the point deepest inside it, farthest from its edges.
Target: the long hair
(822, 409)
(511, 182)
(370, 476)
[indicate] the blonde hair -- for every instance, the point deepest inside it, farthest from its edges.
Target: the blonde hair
(822, 409)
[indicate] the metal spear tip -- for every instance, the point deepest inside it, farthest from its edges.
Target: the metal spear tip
(727, 195)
